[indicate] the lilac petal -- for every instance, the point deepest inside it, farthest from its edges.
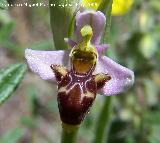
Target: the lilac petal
(95, 19)
(70, 42)
(101, 48)
(121, 78)
(40, 61)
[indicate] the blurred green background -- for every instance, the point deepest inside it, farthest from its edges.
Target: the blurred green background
(31, 115)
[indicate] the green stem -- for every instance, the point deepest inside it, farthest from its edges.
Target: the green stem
(103, 122)
(71, 27)
(69, 136)
(104, 117)
(106, 8)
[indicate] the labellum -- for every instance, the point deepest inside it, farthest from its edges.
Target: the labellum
(78, 86)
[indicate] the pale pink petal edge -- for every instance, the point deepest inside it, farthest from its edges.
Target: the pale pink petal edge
(122, 78)
(40, 62)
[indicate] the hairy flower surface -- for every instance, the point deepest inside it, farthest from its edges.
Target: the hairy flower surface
(83, 71)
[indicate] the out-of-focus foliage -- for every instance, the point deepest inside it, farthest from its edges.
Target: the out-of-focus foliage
(119, 7)
(9, 79)
(42, 45)
(12, 136)
(3, 4)
(7, 26)
(5, 40)
(135, 40)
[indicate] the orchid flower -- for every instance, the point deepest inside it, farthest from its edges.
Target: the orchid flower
(82, 71)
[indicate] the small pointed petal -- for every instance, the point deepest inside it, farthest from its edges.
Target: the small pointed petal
(121, 77)
(40, 61)
(101, 79)
(59, 71)
(101, 48)
(95, 19)
(70, 42)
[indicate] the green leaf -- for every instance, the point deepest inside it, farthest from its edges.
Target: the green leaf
(10, 79)
(3, 4)
(12, 136)
(152, 117)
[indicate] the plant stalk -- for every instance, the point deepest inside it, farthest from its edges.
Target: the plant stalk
(69, 136)
(106, 8)
(103, 122)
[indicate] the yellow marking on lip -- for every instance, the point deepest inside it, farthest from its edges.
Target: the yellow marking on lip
(62, 89)
(89, 94)
(100, 77)
(60, 69)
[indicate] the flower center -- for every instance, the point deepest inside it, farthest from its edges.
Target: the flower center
(84, 55)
